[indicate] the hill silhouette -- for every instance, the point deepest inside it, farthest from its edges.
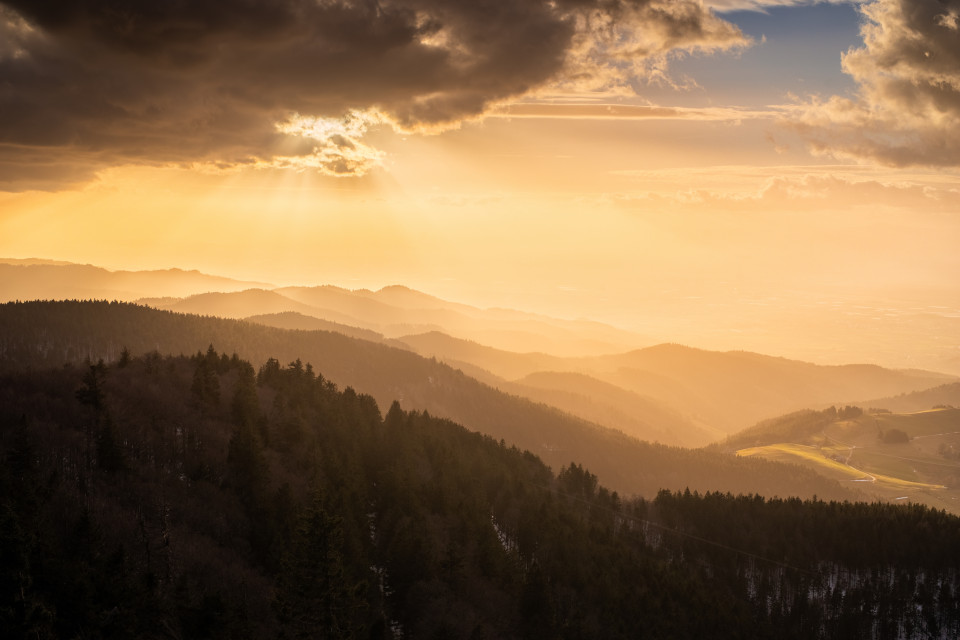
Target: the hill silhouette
(51, 280)
(731, 390)
(200, 497)
(392, 311)
(509, 365)
(294, 320)
(612, 406)
(721, 392)
(945, 394)
(51, 333)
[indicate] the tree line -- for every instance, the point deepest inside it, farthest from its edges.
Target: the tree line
(48, 334)
(201, 496)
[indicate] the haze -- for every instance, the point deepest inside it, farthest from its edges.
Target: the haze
(480, 319)
(768, 176)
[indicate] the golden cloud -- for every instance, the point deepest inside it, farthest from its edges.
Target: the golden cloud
(207, 82)
(907, 105)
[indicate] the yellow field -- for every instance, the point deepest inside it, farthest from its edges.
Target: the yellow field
(812, 456)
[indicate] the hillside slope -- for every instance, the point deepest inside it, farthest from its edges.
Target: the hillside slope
(607, 404)
(294, 320)
(195, 497)
(902, 456)
(51, 333)
(721, 392)
(731, 390)
(945, 394)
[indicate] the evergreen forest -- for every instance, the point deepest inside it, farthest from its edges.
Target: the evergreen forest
(44, 334)
(203, 497)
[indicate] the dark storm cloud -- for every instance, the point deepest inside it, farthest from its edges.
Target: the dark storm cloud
(96, 83)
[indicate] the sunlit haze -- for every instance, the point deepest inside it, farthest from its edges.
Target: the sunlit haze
(733, 175)
(391, 319)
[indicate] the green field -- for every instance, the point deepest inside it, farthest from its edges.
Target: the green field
(853, 452)
(819, 460)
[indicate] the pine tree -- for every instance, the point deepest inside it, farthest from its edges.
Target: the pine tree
(315, 598)
(92, 393)
(246, 405)
(206, 384)
(247, 468)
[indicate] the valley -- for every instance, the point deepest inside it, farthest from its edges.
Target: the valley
(498, 320)
(889, 456)
(231, 433)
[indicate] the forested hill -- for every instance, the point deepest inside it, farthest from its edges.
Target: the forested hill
(945, 394)
(47, 334)
(199, 497)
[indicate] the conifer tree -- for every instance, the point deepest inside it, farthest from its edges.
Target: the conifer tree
(206, 383)
(246, 405)
(247, 468)
(315, 598)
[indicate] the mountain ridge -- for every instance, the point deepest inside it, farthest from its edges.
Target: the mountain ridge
(51, 333)
(723, 390)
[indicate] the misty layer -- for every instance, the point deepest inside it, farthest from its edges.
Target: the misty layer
(249, 82)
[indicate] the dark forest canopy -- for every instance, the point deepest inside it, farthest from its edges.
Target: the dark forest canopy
(202, 497)
(47, 334)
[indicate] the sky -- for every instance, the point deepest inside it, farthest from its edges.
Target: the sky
(694, 171)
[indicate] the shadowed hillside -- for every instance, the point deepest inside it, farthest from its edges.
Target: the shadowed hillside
(733, 389)
(609, 405)
(294, 320)
(555, 381)
(509, 365)
(719, 392)
(945, 394)
(395, 311)
(199, 497)
(51, 333)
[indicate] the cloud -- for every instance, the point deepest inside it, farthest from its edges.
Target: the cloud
(723, 6)
(600, 111)
(339, 150)
(907, 105)
(97, 83)
(784, 188)
(620, 41)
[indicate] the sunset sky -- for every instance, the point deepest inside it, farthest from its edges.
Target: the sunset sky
(632, 161)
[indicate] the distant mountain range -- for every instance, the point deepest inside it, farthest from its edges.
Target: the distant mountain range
(34, 279)
(391, 311)
(396, 311)
(708, 394)
(217, 477)
(715, 393)
(48, 334)
(666, 393)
